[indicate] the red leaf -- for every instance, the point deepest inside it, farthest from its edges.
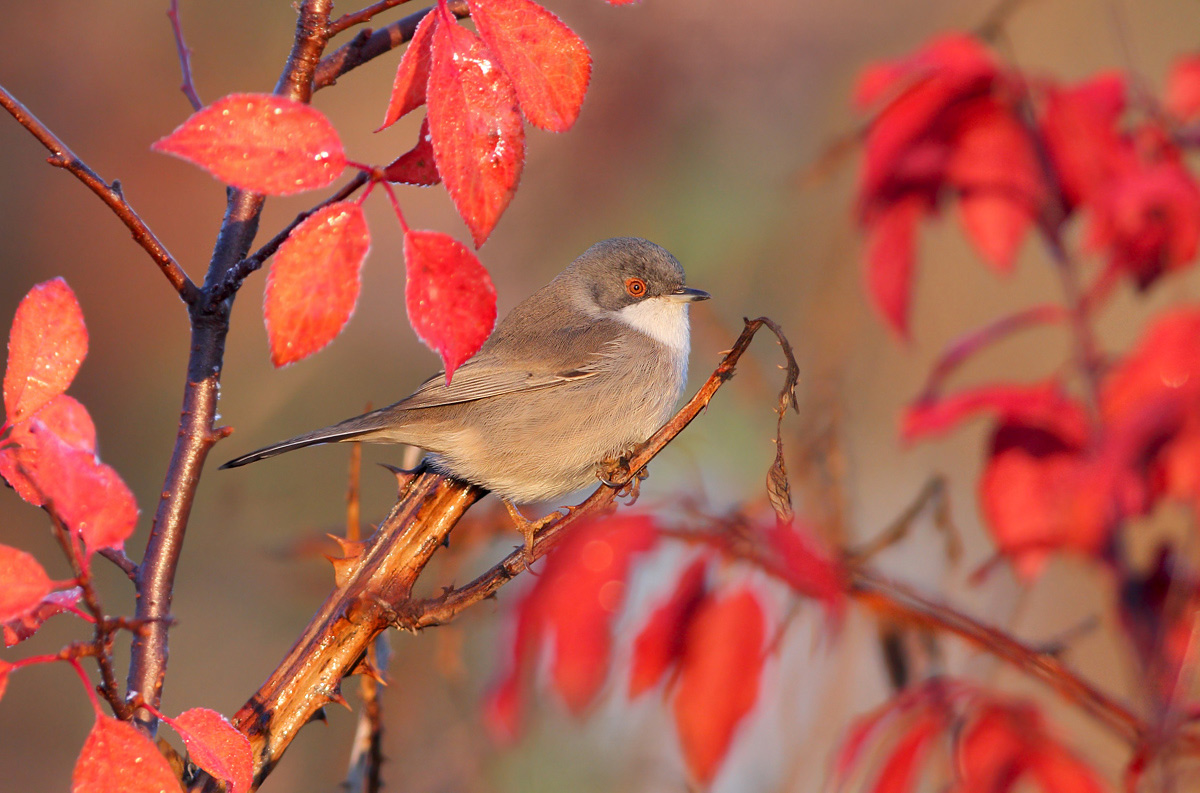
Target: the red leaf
(46, 346)
(549, 64)
(890, 257)
(412, 75)
(1079, 126)
(87, 495)
(260, 142)
(478, 137)
(806, 565)
(1043, 404)
(898, 774)
(718, 678)
(116, 758)
(63, 416)
(418, 165)
(1183, 88)
(20, 629)
(314, 281)
(995, 167)
(23, 583)
(660, 642)
(218, 748)
(450, 297)
(5, 668)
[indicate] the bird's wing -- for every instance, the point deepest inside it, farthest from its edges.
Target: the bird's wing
(501, 369)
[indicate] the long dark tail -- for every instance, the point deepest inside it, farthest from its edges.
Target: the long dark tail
(366, 424)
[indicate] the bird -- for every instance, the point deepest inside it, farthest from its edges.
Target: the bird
(571, 380)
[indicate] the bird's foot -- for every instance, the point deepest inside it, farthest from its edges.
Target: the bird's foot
(529, 528)
(614, 473)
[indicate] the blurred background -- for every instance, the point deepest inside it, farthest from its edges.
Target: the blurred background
(701, 129)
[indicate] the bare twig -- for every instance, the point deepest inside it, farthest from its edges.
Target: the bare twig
(110, 194)
(185, 57)
(120, 560)
(361, 15)
(368, 45)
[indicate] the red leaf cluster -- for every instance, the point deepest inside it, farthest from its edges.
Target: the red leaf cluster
(523, 60)
(314, 281)
(49, 456)
(997, 744)
(950, 124)
(569, 613)
(260, 142)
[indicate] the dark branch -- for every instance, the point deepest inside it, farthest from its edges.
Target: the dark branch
(361, 15)
(110, 194)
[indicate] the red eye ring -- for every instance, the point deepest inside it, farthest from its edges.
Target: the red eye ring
(636, 287)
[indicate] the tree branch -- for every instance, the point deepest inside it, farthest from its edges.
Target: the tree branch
(110, 194)
(185, 57)
(210, 326)
(361, 15)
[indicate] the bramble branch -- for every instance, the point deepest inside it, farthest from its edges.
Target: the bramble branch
(110, 194)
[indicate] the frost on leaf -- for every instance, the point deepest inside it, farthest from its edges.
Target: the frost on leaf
(478, 135)
(412, 75)
(260, 142)
(314, 281)
(450, 297)
(23, 583)
(416, 166)
(218, 748)
(46, 346)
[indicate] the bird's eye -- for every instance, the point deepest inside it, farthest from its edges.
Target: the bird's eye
(636, 287)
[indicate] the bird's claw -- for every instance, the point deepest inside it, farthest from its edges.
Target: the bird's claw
(614, 473)
(529, 528)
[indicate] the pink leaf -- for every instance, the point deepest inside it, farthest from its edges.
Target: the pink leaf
(478, 136)
(314, 281)
(450, 298)
(87, 495)
(63, 416)
(412, 75)
(260, 142)
(46, 346)
(116, 758)
(549, 64)
(20, 629)
(418, 165)
(217, 747)
(890, 258)
(23, 583)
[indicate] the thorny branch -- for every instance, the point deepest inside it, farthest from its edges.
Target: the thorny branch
(110, 194)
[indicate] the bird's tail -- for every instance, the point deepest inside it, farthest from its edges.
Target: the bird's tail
(356, 427)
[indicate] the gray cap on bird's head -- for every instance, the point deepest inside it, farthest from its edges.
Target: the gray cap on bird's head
(610, 268)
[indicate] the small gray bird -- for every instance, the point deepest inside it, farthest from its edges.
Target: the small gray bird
(583, 370)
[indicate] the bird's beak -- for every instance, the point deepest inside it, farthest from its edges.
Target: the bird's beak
(686, 294)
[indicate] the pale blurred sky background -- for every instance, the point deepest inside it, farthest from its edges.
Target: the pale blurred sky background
(700, 121)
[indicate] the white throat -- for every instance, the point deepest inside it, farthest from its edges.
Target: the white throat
(661, 318)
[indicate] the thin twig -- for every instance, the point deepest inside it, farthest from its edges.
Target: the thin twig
(361, 15)
(369, 45)
(122, 561)
(185, 57)
(110, 194)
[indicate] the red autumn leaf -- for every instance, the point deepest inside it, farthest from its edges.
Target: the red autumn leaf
(412, 75)
(23, 583)
(314, 281)
(806, 565)
(1042, 404)
(1183, 88)
(549, 64)
(260, 142)
(218, 748)
(718, 678)
(116, 758)
(890, 258)
(502, 713)
(46, 346)
(900, 772)
(478, 136)
(1079, 127)
(450, 297)
(5, 669)
(65, 417)
(20, 629)
(995, 168)
(417, 165)
(660, 642)
(1147, 218)
(570, 610)
(87, 495)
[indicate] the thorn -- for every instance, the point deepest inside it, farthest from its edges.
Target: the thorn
(319, 715)
(336, 696)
